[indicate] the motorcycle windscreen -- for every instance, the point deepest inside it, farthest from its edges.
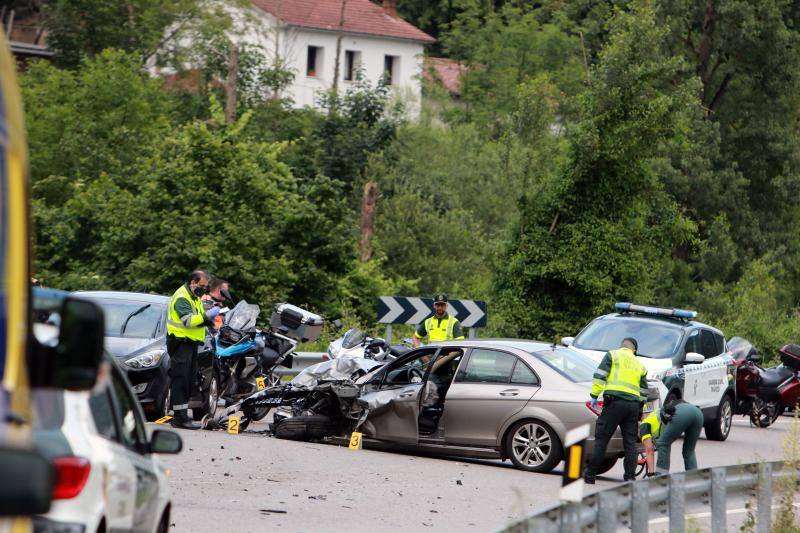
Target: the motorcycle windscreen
(394, 413)
(242, 317)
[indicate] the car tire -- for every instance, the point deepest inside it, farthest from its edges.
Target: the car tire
(546, 453)
(163, 524)
(308, 427)
(607, 464)
(720, 427)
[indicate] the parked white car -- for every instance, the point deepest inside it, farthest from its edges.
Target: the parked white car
(108, 477)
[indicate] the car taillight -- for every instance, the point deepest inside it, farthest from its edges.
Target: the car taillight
(595, 411)
(71, 476)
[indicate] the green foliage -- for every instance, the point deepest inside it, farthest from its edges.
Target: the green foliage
(602, 227)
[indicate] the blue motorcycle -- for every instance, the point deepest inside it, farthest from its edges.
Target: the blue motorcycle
(244, 359)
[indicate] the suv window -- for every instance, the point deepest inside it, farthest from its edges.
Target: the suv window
(693, 342)
(488, 366)
(103, 414)
(709, 344)
(720, 340)
(131, 426)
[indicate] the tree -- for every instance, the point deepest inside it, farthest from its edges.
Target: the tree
(602, 227)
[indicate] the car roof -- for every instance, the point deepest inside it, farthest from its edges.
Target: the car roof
(124, 296)
(683, 324)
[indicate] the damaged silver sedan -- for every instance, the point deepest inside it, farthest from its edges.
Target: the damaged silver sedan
(502, 399)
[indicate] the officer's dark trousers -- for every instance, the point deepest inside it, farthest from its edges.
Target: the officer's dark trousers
(182, 369)
(616, 413)
(687, 421)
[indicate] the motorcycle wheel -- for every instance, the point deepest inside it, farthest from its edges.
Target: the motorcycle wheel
(213, 396)
(767, 415)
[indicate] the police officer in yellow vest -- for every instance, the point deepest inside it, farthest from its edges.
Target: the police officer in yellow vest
(665, 426)
(622, 379)
(187, 320)
(440, 326)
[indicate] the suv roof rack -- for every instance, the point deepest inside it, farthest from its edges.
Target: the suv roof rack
(681, 314)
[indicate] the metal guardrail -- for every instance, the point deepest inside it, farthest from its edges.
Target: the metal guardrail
(302, 360)
(632, 505)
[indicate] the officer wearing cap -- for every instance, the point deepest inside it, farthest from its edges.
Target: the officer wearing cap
(622, 379)
(665, 426)
(440, 326)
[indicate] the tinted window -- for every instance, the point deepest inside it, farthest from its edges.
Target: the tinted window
(573, 366)
(523, 375)
(103, 414)
(133, 433)
(709, 344)
(488, 366)
(720, 341)
(693, 343)
(656, 339)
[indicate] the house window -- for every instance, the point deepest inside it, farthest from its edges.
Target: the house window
(352, 62)
(391, 67)
(314, 61)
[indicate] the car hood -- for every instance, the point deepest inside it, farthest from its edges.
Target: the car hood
(124, 347)
(652, 365)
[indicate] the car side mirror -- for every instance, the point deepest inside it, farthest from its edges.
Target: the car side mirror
(28, 480)
(337, 324)
(73, 362)
(693, 358)
(567, 341)
(163, 441)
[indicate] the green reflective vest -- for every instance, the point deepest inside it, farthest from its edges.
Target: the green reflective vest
(626, 373)
(443, 331)
(190, 327)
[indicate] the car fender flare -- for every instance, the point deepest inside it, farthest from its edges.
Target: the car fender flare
(534, 414)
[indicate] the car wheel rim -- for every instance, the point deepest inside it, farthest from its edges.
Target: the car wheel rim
(531, 444)
(725, 419)
(212, 397)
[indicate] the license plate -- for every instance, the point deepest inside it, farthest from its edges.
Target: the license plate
(261, 383)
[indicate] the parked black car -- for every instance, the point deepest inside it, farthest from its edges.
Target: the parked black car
(136, 335)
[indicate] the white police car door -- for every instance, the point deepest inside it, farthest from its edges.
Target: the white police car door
(704, 383)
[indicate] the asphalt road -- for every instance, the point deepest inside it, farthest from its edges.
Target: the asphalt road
(251, 482)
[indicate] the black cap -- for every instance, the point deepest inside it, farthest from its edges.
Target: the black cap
(440, 298)
(632, 341)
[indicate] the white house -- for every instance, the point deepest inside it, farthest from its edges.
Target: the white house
(304, 35)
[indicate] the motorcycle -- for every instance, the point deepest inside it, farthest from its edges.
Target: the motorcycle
(763, 394)
(355, 343)
(244, 359)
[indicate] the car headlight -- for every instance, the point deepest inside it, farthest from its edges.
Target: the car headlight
(146, 360)
(333, 352)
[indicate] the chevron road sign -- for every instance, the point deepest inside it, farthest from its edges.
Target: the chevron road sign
(403, 310)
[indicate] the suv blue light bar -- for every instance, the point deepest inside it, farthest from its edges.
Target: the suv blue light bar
(625, 307)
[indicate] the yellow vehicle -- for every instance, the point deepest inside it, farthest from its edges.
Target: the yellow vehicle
(26, 478)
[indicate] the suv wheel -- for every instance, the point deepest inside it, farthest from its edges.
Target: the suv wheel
(720, 426)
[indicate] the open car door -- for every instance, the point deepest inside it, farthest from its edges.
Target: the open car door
(394, 397)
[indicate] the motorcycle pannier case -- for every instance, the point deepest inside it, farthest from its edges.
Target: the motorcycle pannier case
(790, 356)
(303, 325)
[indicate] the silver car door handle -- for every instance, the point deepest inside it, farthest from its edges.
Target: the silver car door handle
(509, 392)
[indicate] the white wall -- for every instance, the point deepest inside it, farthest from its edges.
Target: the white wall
(293, 46)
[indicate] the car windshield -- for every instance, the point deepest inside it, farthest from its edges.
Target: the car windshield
(571, 365)
(656, 339)
(140, 320)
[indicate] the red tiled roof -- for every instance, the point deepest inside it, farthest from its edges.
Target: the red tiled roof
(361, 16)
(445, 71)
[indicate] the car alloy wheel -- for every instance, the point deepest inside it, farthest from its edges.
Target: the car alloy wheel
(213, 397)
(726, 418)
(531, 445)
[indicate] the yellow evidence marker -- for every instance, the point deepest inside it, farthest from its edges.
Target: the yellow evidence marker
(164, 419)
(233, 425)
(260, 383)
(355, 441)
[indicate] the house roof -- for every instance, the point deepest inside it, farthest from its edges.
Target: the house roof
(361, 16)
(445, 71)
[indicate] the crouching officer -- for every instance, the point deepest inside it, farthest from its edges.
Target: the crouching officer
(186, 329)
(622, 379)
(664, 426)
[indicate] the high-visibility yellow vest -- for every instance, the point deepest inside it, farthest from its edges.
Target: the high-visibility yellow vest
(443, 331)
(655, 426)
(194, 327)
(626, 373)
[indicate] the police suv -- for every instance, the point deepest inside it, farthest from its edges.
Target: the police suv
(686, 357)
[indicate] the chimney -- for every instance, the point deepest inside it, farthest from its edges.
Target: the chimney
(390, 7)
